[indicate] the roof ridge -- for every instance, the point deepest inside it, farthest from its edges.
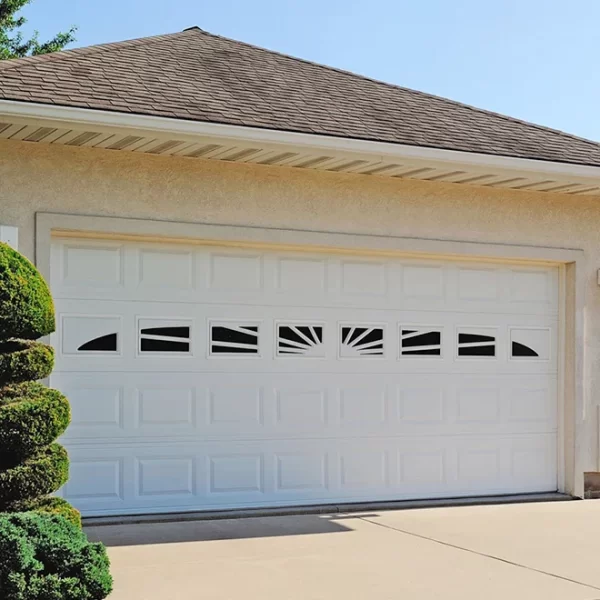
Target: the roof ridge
(12, 63)
(400, 87)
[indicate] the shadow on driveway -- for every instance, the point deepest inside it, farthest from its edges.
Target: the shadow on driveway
(205, 531)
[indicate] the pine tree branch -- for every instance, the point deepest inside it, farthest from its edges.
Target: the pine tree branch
(12, 45)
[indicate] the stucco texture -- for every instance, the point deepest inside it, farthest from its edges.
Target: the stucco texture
(43, 178)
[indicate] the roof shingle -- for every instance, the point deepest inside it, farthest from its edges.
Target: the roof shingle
(195, 75)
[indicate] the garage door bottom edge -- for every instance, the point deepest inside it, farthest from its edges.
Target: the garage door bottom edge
(244, 513)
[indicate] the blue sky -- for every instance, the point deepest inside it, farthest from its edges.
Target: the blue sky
(532, 59)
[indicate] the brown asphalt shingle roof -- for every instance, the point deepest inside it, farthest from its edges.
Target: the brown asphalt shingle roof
(195, 75)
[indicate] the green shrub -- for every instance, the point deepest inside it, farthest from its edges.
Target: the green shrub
(26, 307)
(24, 360)
(38, 475)
(57, 506)
(44, 554)
(31, 417)
(45, 557)
(49, 505)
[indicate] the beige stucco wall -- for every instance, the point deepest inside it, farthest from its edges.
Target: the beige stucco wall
(39, 178)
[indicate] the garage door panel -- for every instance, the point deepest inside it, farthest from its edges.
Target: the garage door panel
(96, 409)
(96, 479)
(129, 271)
(302, 407)
(297, 274)
(206, 377)
(157, 407)
(302, 471)
(362, 407)
(528, 461)
(130, 479)
(166, 476)
(84, 265)
(168, 405)
(151, 336)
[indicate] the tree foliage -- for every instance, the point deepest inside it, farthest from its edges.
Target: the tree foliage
(12, 42)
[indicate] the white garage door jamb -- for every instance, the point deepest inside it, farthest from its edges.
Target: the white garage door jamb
(576, 450)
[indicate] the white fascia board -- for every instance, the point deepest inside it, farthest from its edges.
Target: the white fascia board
(163, 126)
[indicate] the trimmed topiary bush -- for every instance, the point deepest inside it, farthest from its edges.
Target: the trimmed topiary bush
(49, 505)
(37, 475)
(26, 307)
(24, 360)
(43, 552)
(31, 417)
(44, 557)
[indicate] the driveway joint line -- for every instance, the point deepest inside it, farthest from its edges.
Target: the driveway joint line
(483, 554)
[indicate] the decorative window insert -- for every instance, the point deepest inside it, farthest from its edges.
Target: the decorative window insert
(301, 340)
(156, 336)
(476, 343)
(233, 339)
(90, 334)
(104, 343)
(359, 341)
(519, 350)
(529, 343)
(420, 340)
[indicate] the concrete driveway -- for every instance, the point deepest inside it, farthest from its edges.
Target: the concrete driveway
(542, 550)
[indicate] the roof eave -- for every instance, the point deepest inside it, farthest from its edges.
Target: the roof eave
(312, 151)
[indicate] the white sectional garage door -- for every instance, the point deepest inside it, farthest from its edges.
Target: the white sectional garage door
(216, 377)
